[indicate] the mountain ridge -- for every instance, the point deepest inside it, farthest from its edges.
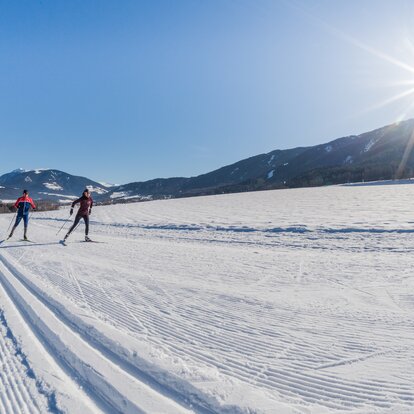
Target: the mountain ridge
(46, 184)
(375, 155)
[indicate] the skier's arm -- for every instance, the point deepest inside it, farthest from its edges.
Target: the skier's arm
(76, 202)
(32, 204)
(16, 204)
(73, 205)
(90, 208)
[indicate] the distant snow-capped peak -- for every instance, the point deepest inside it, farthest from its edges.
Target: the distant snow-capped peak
(108, 185)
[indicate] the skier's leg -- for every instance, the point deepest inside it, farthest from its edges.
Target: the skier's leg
(26, 224)
(86, 219)
(18, 220)
(75, 223)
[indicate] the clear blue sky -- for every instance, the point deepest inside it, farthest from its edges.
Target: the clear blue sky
(131, 90)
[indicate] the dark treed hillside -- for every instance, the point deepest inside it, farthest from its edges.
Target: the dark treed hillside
(382, 154)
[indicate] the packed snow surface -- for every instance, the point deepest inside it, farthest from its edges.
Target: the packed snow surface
(289, 301)
(18, 390)
(382, 182)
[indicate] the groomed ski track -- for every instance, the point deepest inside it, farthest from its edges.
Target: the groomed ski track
(18, 391)
(204, 306)
(101, 373)
(30, 380)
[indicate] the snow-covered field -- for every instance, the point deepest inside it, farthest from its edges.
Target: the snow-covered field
(293, 301)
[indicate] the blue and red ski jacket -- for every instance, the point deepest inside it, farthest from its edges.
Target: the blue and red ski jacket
(23, 205)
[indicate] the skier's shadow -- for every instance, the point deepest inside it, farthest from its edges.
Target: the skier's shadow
(14, 246)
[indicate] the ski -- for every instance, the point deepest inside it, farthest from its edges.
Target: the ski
(92, 241)
(64, 243)
(27, 241)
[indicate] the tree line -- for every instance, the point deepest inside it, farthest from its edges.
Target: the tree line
(42, 205)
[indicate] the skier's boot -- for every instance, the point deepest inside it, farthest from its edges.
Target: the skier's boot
(87, 239)
(25, 234)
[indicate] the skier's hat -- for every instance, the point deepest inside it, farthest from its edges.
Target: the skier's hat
(86, 190)
(25, 191)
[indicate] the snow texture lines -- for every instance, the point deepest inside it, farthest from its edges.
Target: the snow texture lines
(111, 387)
(224, 333)
(294, 301)
(20, 393)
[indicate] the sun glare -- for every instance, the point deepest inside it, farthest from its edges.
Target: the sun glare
(401, 96)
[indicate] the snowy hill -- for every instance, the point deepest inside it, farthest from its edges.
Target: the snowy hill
(371, 156)
(47, 184)
(242, 303)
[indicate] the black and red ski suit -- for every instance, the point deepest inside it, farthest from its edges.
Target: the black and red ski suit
(85, 208)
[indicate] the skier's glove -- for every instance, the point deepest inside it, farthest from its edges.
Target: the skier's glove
(90, 211)
(71, 211)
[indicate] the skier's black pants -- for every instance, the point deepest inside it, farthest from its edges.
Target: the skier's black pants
(76, 222)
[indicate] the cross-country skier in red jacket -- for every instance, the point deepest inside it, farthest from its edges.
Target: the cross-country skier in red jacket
(23, 205)
(85, 209)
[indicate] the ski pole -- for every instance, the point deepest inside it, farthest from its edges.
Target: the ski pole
(63, 225)
(8, 228)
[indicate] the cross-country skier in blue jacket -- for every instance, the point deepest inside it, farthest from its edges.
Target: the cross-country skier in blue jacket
(23, 205)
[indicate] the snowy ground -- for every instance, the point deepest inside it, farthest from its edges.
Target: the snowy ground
(294, 301)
